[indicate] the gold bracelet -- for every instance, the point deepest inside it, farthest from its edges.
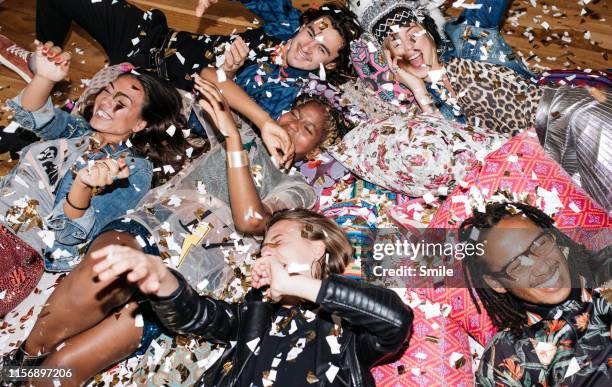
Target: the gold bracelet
(237, 159)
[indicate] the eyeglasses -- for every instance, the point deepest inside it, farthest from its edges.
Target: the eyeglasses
(519, 266)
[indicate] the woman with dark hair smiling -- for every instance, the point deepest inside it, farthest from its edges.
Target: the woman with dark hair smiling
(536, 285)
(88, 172)
(193, 222)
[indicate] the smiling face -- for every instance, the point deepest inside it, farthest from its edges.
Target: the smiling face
(414, 47)
(305, 124)
(535, 279)
(116, 111)
(316, 43)
(285, 243)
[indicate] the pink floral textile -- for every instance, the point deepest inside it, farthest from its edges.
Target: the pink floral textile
(415, 155)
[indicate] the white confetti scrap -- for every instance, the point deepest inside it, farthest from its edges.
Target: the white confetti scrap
(572, 368)
(331, 372)
(138, 321)
(11, 128)
(221, 77)
(294, 268)
(574, 207)
(322, 74)
(253, 344)
(48, 237)
(180, 57)
(332, 341)
(171, 130)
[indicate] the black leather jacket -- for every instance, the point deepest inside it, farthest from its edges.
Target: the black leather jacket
(376, 325)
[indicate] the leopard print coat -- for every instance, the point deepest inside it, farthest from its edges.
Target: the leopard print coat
(493, 96)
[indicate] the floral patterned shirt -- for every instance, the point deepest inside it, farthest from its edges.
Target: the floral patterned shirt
(568, 346)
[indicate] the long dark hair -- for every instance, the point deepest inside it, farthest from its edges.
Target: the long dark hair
(161, 108)
(504, 309)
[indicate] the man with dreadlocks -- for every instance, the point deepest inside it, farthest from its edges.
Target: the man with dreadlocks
(536, 285)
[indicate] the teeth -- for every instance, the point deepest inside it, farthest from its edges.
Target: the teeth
(551, 281)
(103, 114)
(414, 57)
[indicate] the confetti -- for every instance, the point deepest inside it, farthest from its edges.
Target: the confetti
(11, 128)
(180, 57)
(138, 321)
(332, 341)
(322, 74)
(572, 368)
(574, 207)
(294, 268)
(253, 345)
(545, 351)
(331, 372)
(221, 77)
(171, 130)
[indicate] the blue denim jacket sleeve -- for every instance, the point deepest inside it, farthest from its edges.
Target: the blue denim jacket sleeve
(484, 38)
(282, 20)
(490, 15)
(48, 122)
(104, 207)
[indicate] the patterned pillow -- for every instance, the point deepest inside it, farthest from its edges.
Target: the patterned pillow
(520, 167)
(415, 155)
(438, 352)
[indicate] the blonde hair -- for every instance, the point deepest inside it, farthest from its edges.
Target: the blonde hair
(316, 227)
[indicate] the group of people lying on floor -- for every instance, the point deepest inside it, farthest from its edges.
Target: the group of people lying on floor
(121, 187)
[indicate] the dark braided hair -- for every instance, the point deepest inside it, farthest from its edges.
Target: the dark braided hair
(504, 309)
(345, 22)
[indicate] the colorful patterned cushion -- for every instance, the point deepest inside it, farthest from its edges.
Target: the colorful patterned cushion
(415, 155)
(439, 352)
(521, 167)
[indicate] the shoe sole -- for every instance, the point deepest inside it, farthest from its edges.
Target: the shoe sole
(16, 69)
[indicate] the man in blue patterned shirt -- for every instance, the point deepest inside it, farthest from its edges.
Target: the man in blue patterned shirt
(270, 63)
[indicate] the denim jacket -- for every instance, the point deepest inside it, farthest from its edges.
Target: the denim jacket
(474, 33)
(44, 176)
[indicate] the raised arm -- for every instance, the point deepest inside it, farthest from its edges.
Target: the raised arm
(52, 66)
(177, 304)
(277, 141)
(248, 212)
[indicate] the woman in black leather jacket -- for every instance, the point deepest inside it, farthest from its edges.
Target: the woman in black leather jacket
(293, 340)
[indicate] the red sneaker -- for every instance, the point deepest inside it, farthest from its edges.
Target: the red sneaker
(15, 58)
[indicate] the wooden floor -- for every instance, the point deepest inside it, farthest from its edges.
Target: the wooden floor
(17, 21)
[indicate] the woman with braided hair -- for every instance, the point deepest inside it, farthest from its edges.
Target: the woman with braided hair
(536, 285)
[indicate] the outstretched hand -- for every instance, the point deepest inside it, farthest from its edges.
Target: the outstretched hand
(216, 106)
(148, 271)
(51, 62)
(203, 6)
